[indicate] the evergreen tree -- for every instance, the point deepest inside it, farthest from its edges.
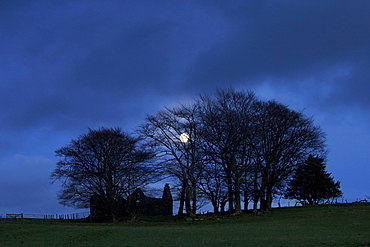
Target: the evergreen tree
(312, 184)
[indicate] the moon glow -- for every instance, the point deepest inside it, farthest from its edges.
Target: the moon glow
(184, 137)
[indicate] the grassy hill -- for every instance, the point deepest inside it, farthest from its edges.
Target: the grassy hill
(325, 225)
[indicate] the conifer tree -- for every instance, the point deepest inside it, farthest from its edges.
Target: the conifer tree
(312, 184)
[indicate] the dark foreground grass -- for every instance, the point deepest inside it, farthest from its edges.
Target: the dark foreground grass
(344, 225)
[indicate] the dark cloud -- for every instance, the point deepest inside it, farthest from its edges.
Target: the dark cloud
(93, 58)
(352, 90)
(288, 42)
(134, 58)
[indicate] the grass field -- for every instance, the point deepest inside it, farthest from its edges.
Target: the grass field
(334, 225)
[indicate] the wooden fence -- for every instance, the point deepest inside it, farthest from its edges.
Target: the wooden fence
(72, 216)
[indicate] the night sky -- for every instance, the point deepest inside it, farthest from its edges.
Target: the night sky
(66, 66)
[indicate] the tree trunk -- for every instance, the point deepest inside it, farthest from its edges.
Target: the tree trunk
(188, 200)
(255, 204)
(238, 206)
(263, 200)
(194, 199)
(256, 193)
(180, 213)
(215, 207)
(230, 193)
(222, 206)
(264, 189)
(269, 199)
(246, 202)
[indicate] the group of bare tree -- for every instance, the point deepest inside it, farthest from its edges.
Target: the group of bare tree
(224, 148)
(231, 147)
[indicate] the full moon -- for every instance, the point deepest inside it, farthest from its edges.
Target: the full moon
(184, 137)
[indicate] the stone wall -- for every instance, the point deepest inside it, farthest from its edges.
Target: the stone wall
(137, 204)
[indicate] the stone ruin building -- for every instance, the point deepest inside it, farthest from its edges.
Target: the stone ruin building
(138, 204)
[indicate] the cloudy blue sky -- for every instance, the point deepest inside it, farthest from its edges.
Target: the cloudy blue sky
(66, 66)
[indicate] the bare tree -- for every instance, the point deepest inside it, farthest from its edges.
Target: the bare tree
(174, 132)
(105, 163)
(284, 139)
(227, 133)
(258, 145)
(213, 186)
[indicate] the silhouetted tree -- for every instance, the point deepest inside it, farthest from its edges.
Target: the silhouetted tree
(311, 183)
(105, 163)
(213, 186)
(175, 135)
(227, 134)
(283, 139)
